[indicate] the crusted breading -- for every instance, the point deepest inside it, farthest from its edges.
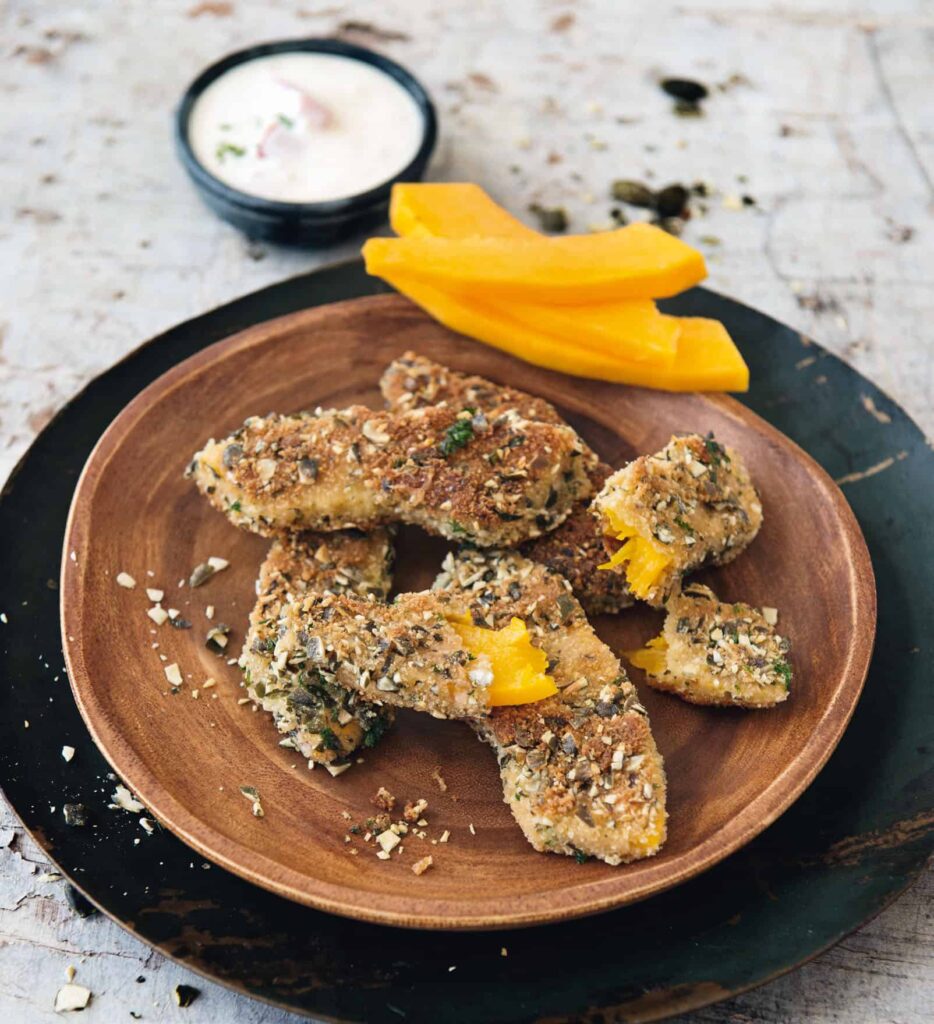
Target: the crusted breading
(710, 652)
(413, 382)
(326, 723)
(457, 474)
(576, 548)
(690, 504)
(405, 654)
(581, 771)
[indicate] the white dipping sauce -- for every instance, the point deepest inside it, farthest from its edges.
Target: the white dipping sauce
(305, 127)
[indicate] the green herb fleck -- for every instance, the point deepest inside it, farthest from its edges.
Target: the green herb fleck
(580, 856)
(684, 525)
(225, 149)
(457, 435)
(235, 506)
(715, 452)
(455, 527)
(784, 670)
(329, 739)
(374, 732)
(287, 121)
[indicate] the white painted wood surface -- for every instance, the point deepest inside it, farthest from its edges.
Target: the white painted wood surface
(826, 119)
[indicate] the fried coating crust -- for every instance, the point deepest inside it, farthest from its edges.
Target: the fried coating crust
(325, 723)
(581, 771)
(720, 654)
(457, 474)
(414, 382)
(405, 654)
(693, 501)
(576, 548)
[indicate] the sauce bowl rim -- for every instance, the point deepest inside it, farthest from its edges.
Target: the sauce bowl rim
(328, 208)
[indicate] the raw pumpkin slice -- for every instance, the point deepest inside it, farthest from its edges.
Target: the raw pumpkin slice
(518, 670)
(451, 210)
(706, 358)
(634, 329)
(639, 261)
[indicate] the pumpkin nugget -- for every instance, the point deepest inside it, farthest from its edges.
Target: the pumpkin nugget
(714, 653)
(418, 653)
(455, 472)
(326, 723)
(576, 548)
(580, 770)
(691, 504)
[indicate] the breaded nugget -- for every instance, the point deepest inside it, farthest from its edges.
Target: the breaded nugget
(576, 548)
(326, 723)
(581, 771)
(455, 473)
(715, 653)
(691, 504)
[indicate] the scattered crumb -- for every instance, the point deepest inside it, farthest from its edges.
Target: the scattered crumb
(124, 579)
(208, 683)
(413, 812)
(388, 840)
(70, 973)
(158, 614)
(436, 775)
(252, 794)
(173, 674)
(473, 831)
(335, 769)
(209, 612)
(770, 615)
(504, 952)
(68, 753)
(3, 618)
(382, 854)
(154, 595)
(146, 825)
(383, 799)
(421, 866)
(185, 995)
(445, 836)
(122, 797)
(72, 997)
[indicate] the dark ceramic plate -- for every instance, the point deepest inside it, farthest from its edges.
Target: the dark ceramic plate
(854, 840)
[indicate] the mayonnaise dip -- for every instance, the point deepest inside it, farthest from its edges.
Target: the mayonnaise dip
(305, 127)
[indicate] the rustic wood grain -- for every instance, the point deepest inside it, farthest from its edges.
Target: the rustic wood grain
(97, 205)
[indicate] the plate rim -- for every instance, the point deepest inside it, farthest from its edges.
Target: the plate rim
(273, 877)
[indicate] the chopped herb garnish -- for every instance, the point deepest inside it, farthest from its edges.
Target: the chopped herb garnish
(455, 527)
(684, 525)
(580, 856)
(287, 121)
(235, 506)
(715, 452)
(784, 670)
(457, 435)
(225, 149)
(329, 739)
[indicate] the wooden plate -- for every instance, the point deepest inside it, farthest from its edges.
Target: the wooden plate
(730, 773)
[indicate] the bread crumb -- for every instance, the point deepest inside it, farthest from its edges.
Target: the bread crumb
(383, 799)
(436, 775)
(421, 866)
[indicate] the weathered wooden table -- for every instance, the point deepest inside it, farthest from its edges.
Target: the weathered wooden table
(819, 111)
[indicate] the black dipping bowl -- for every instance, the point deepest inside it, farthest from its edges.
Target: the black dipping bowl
(309, 224)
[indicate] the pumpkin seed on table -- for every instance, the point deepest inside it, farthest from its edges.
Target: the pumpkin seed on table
(634, 193)
(685, 89)
(553, 219)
